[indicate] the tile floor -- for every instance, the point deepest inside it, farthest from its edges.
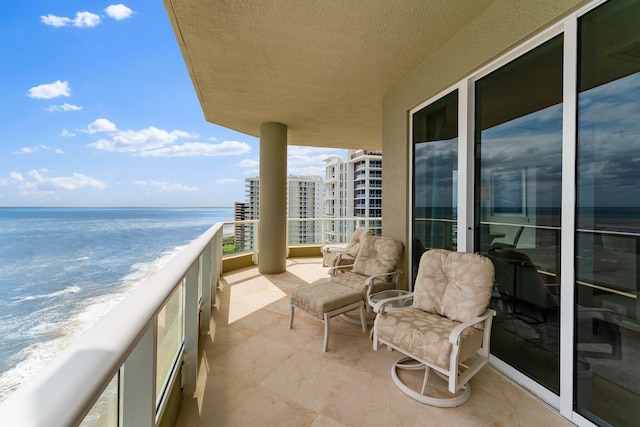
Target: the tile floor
(256, 371)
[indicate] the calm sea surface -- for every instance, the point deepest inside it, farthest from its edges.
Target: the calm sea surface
(62, 269)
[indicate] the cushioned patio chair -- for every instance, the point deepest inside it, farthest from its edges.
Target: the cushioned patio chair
(345, 253)
(347, 288)
(446, 325)
(374, 268)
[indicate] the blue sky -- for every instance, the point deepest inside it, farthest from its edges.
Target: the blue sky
(98, 109)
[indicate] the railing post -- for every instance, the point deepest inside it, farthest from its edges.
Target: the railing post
(323, 228)
(256, 253)
(139, 382)
(191, 331)
(205, 282)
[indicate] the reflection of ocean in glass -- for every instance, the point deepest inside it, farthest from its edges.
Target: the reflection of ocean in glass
(62, 269)
(518, 200)
(607, 311)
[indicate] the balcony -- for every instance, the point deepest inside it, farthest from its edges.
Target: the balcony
(192, 346)
(259, 372)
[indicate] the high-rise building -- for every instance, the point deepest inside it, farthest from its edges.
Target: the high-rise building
(240, 231)
(305, 199)
(353, 188)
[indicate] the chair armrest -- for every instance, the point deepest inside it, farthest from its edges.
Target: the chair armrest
(454, 337)
(380, 305)
(334, 270)
(395, 275)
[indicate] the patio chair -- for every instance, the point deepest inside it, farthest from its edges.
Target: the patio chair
(348, 286)
(445, 327)
(345, 253)
(374, 268)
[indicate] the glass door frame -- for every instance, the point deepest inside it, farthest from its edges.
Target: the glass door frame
(466, 173)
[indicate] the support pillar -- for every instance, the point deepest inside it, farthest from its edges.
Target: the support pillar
(272, 245)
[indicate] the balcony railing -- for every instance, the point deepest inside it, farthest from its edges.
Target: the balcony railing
(124, 369)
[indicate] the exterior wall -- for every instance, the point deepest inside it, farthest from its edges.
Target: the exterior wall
(502, 26)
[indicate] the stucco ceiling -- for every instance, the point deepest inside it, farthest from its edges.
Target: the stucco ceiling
(321, 67)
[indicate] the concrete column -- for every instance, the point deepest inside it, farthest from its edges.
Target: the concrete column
(272, 243)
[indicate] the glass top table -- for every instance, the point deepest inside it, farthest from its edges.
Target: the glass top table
(375, 299)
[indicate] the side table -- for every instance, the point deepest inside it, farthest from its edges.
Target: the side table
(374, 300)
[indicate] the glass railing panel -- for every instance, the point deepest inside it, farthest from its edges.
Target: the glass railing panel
(170, 338)
(105, 411)
(239, 238)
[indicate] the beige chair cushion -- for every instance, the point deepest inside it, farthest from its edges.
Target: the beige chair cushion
(377, 255)
(356, 240)
(456, 285)
(323, 297)
(357, 282)
(426, 335)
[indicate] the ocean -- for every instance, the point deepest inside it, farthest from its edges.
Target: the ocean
(61, 269)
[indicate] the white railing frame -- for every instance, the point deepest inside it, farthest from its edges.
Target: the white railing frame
(124, 342)
(65, 390)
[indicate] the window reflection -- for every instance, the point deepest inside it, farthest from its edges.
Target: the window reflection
(518, 207)
(607, 338)
(435, 191)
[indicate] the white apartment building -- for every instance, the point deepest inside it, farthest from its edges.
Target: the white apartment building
(353, 188)
(305, 199)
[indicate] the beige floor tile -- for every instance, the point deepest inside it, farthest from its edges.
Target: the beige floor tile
(257, 371)
(532, 412)
(323, 421)
(368, 400)
(308, 378)
(254, 359)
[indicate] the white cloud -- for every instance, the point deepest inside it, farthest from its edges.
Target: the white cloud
(55, 21)
(166, 186)
(86, 19)
(65, 132)
(310, 160)
(29, 150)
(154, 142)
(139, 141)
(13, 178)
(118, 11)
(35, 182)
(196, 149)
(100, 125)
(50, 90)
(59, 151)
(224, 181)
(249, 163)
(64, 107)
(82, 20)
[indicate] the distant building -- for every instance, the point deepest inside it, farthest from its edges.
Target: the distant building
(305, 199)
(353, 188)
(240, 231)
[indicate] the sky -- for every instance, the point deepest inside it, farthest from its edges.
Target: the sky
(97, 109)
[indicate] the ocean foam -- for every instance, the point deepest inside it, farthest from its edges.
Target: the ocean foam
(36, 356)
(68, 290)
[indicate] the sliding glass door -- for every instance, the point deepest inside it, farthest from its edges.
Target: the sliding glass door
(607, 312)
(518, 180)
(435, 177)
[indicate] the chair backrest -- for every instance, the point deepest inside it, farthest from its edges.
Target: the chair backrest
(456, 285)
(517, 276)
(356, 240)
(377, 255)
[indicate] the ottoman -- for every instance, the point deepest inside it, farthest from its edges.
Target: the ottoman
(325, 300)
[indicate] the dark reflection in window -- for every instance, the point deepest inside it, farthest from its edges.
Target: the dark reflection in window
(518, 206)
(607, 337)
(435, 180)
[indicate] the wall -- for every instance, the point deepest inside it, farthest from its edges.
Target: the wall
(502, 26)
